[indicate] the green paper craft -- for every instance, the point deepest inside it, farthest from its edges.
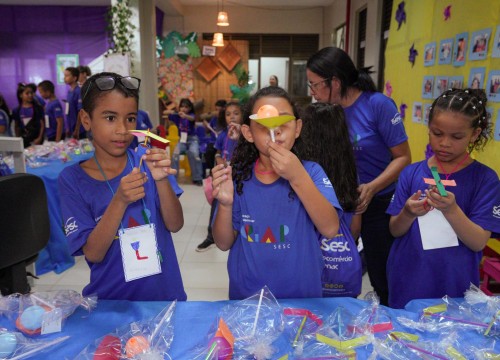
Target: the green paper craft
(439, 184)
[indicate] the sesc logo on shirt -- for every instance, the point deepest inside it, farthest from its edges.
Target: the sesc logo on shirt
(327, 182)
(70, 227)
(396, 119)
(496, 211)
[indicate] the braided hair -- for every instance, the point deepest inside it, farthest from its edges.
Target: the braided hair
(246, 153)
(470, 103)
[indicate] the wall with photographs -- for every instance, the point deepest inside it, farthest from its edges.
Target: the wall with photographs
(457, 44)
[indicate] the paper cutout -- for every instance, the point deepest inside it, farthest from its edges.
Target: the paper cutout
(402, 110)
(444, 182)
(342, 345)
(148, 134)
(401, 14)
(413, 54)
(269, 117)
(447, 12)
(438, 180)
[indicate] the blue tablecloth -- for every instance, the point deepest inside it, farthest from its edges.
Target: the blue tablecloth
(55, 256)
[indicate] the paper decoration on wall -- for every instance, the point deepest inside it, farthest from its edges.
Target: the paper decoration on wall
(427, 86)
(388, 88)
(495, 52)
(496, 135)
(479, 44)
(413, 54)
(229, 57)
(427, 111)
(440, 85)
(208, 69)
(456, 82)
(460, 50)
(402, 110)
(401, 14)
(476, 78)
(430, 54)
(493, 86)
(174, 44)
(445, 51)
(176, 78)
(417, 112)
(447, 12)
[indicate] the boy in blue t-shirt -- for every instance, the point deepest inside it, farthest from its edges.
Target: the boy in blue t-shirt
(54, 116)
(73, 125)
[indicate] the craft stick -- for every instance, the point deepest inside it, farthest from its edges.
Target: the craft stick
(457, 320)
(145, 144)
(439, 184)
(272, 135)
(294, 344)
(211, 351)
(491, 323)
(258, 311)
(419, 349)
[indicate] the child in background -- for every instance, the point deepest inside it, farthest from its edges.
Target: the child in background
(54, 115)
(210, 121)
(142, 123)
(119, 211)
(270, 217)
(73, 126)
(85, 72)
(4, 117)
(230, 121)
(28, 117)
(439, 239)
(188, 141)
(38, 98)
(325, 140)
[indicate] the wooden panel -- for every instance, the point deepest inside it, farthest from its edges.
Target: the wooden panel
(218, 88)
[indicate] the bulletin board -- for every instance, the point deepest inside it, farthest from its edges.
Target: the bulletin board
(454, 43)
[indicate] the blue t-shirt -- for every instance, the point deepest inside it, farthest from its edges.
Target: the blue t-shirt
(4, 121)
(277, 243)
(143, 123)
(184, 125)
(415, 273)
(53, 110)
(225, 145)
(83, 203)
(75, 104)
(375, 126)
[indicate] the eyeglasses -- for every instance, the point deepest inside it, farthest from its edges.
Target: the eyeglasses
(314, 86)
(109, 83)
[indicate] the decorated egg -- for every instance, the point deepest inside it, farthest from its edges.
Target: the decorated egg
(8, 343)
(267, 111)
(136, 345)
(224, 348)
(110, 348)
(31, 318)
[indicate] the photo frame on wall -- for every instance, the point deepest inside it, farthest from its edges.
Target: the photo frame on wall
(445, 51)
(64, 61)
(416, 114)
(456, 82)
(440, 85)
(476, 78)
(427, 111)
(493, 86)
(430, 54)
(460, 49)
(479, 44)
(496, 135)
(427, 86)
(495, 52)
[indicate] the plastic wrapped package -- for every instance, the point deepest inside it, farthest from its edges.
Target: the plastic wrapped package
(372, 318)
(245, 329)
(485, 308)
(43, 313)
(15, 346)
(144, 340)
(300, 326)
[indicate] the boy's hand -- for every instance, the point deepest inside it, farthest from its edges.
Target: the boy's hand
(158, 163)
(415, 206)
(131, 187)
(222, 184)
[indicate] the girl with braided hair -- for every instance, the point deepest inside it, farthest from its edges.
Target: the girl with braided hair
(440, 235)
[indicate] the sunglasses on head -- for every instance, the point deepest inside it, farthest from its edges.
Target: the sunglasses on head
(108, 83)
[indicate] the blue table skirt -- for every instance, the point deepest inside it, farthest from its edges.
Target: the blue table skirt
(55, 256)
(192, 322)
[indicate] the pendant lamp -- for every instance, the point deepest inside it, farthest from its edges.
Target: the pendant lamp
(218, 39)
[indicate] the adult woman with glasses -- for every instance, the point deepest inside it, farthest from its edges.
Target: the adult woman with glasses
(380, 147)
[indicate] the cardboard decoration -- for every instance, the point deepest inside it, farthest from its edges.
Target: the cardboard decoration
(229, 57)
(208, 69)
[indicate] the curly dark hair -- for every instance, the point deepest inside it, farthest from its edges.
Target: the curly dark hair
(246, 153)
(325, 140)
(470, 103)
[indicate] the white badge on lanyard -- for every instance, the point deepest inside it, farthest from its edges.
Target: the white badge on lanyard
(435, 231)
(66, 110)
(184, 137)
(139, 252)
(25, 120)
(47, 122)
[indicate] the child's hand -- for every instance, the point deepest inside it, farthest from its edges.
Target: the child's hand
(415, 206)
(285, 163)
(182, 114)
(233, 131)
(158, 163)
(168, 112)
(222, 184)
(442, 203)
(131, 187)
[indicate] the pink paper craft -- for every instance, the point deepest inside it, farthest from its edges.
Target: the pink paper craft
(444, 182)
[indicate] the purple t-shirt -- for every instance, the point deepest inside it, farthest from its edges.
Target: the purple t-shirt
(375, 126)
(277, 243)
(415, 273)
(4, 121)
(75, 104)
(225, 145)
(184, 125)
(53, 110)
(83, 203)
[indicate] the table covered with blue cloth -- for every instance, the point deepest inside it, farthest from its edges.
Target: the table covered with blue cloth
(55, 256)
(192, 322)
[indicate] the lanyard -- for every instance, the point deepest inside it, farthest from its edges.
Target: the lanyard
(144, 210)
(454, 169)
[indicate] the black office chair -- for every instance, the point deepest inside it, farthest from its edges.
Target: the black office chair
(24, 229)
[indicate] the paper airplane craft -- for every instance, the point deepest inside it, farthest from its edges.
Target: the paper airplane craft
(269, 117)
(148, 133)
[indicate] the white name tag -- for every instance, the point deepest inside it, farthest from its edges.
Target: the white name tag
(25, 120)
(51, 321)
(435, 231)
(184, 137)
(47, 122)
(66, 111)
(139, 252)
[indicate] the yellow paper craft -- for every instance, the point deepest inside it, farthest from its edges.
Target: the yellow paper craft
(269, 116)
(444, 182)
(148, 134)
